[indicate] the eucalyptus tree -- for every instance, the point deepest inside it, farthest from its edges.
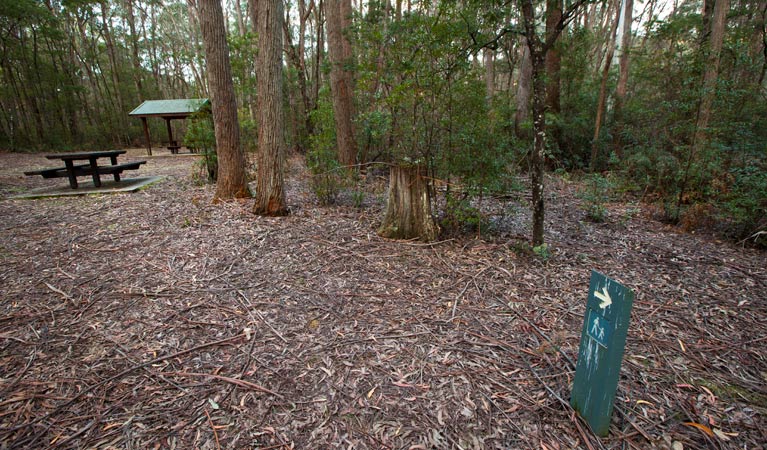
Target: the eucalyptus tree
(231, 181)
(270, 191)
(539, 46)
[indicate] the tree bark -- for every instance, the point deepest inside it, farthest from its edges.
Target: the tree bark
(408, 208)
(270, 192)
(339, 52)
(522, 97)
(623, 76)
(134, 51)
(710, 76)
(539, 144)
(489, 61)
(231, 182)
(602, 99)
(553, 58)
(538, 49)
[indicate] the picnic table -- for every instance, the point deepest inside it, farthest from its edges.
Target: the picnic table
(92, 168)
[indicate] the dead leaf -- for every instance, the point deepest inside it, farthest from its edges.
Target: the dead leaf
(701, 427)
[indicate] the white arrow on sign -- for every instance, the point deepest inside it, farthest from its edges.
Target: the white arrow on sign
(604, 296)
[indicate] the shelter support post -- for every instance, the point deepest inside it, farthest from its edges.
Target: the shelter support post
(146, 135)
(170, 131)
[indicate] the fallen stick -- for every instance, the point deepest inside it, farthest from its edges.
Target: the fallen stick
(237, 381)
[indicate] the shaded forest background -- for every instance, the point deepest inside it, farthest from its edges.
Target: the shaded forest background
(661, 101)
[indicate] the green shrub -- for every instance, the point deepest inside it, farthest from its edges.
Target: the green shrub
(322, 157)
(595, 193)
(201, 137)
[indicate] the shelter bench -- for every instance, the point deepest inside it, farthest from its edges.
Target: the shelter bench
(92, 168)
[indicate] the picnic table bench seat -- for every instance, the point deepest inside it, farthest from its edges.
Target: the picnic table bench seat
(55, 172)
(85, 169)
(92, 167)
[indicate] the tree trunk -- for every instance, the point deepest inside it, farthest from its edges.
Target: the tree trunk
(339, 52)
(134, 50)
(553, 59)
(761, 39)
(489, 60)
(270, 192)
(623, 76)
(238, 15)
(539, 143)
(602, 99)
(318, 52)
(700, 139)
(523, 91)
(231, 182)
(538, 50)
(408, 208)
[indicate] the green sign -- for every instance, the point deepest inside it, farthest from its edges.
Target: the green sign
(603, 338)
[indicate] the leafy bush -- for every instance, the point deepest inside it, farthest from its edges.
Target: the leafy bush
(322, 157)
(594, 194)
(201, 137)
(460, 216)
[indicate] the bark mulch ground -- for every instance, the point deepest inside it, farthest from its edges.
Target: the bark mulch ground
(159, 320)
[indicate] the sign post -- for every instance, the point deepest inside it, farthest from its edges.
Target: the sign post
(603, 339)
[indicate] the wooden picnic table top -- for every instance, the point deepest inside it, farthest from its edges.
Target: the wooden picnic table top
(85, 155)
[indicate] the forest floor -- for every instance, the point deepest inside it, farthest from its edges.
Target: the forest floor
(158, 319)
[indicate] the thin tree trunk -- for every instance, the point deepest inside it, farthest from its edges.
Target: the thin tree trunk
(710, 76)
(134, 51)
(270, 192)
(623, 76)
(538, 51)
(489, 60)
(231, 182)
(602, 99)
(761, 39)
(319, 51)
(553, 58)
(539, 144)
(238, 15)
(339, 51)
(523, 90)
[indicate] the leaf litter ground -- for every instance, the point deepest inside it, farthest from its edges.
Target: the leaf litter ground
(160, 320)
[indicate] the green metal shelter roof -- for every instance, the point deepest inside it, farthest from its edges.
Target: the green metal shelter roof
(169, 108)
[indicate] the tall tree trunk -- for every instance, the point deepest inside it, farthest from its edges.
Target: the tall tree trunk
(318, 53)
(538, 49)
(539, 144)
(710, 76)
(296, 57)
(602, 99)
(270, 192)
(238, 15)
(121, 117)
(134, 50)
(553, 58)
(760, 38)
(408, 208)
(231, 182)
(489, 61)
(522, 97)
(623, 76)
(339, 51)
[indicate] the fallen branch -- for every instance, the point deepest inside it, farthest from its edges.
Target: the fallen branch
(237, 381)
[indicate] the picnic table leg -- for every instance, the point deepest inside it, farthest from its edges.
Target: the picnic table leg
(95, 172)
(114, 163)
(71, 173)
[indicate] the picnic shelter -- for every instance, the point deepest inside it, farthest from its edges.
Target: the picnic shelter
(168, 110)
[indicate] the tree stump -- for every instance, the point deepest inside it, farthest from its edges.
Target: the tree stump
(408, 209)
